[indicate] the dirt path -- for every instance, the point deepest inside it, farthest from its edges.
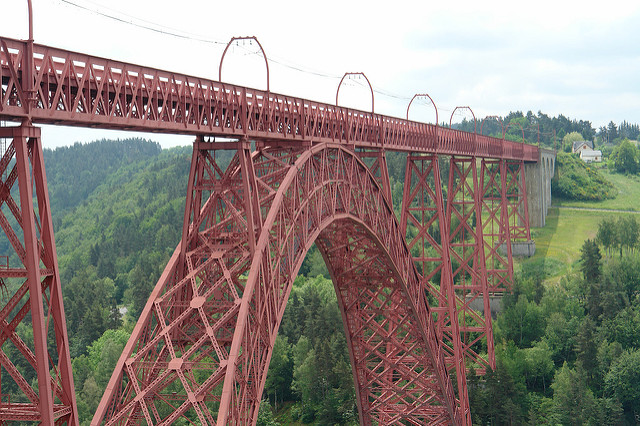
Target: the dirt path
(591, 209)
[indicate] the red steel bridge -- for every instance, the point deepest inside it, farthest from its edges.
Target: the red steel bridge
(303, 172)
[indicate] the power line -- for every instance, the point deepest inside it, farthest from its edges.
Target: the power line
(172, 32)
(147, 26)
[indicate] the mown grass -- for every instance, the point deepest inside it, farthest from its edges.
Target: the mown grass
(569, 224)
(558, 244)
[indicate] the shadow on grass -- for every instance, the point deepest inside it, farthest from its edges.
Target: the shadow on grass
(539, 263)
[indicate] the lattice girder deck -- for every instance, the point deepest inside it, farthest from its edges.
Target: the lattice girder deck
(203, 343)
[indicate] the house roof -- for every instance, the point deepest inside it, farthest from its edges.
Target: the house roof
(577, 144)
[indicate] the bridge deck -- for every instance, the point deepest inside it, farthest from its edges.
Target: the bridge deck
(80, 90)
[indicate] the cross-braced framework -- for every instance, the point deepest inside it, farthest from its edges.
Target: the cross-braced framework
(518, 210)
(29, 273)
(202, 346)
(376, 161)
(424, 226)
(495, 226)
(469, 271)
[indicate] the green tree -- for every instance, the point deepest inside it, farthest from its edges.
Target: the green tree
(265, 415)
(607, 235)
(572, 399)
(569, 139)
(522, 323)
(623, 381)
(612, 131)
(303, 377)
(539, 366)
(591, 257)
(92, 371)
(628, 231)
(587, 350)
(625, 157)
(500, 398)
(278, 382)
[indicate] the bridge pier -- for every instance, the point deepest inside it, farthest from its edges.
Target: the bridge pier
(538, 176)
(32, 268)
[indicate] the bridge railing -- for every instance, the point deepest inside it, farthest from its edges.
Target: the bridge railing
(77, 89)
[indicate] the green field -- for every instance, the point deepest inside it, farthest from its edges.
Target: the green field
(570, 223)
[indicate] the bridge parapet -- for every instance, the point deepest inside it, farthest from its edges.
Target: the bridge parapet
(81, 90)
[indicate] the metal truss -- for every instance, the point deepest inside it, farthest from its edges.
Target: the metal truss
(51, 85)
(495, 225)
(30, 273)
(202, 346)
(203, 343)
(516, 193)
(425, 227)
(376, 162)
(469, 270)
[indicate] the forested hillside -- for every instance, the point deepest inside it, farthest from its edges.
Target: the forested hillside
(539, 127)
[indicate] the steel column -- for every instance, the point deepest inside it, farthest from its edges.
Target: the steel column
(423, 222)
(516, 193)
(40, 293)
(495, 226)
(467, 254)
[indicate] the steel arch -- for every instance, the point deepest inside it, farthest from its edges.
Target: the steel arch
(204, 340)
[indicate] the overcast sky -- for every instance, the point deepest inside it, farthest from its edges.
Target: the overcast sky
(580, 59)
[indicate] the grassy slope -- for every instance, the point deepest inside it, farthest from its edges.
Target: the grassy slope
(628, 194)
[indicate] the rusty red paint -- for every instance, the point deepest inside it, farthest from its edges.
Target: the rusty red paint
(318, 174)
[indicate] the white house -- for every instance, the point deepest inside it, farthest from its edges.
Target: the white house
(591, 156)
(581, 145)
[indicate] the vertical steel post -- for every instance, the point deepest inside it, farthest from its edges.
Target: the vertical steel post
(423, 210)
(466, 248)
(50, 260)
(481, 266)
(446, 282)
(504, 220)
(54, 400)
(32, 265)
(495, 222)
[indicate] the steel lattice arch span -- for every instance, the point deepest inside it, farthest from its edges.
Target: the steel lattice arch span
(302, 173)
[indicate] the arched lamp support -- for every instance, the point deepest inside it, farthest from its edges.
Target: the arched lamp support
(422, 95)
(475, 124)
(355, 73)
(418, 95)
(495, 117)
(264, 55)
